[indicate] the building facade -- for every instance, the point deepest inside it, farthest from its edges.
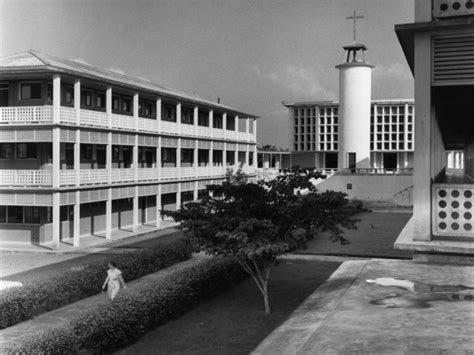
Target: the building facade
(439, 48)
(85, 151)
(315, 135)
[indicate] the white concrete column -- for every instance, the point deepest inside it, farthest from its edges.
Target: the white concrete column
(211, 122)
(56, 98)
(135, 210)
(158, 205)
(178, 197)
(178, 155)
(77, 220)
(178, 113)
(77, 100)
(224, 156)
(108, 214)
(158, 113)
(195, 119)
(108, 104)
(108, 156)
(247, 128)
(56, 157)
(255, 129)
(196, 189)
(56, 219)
(236, 126)
(135, 157)
(196, 163)
(224, 124)
(423, 136)
(135, 109)
(77, 157)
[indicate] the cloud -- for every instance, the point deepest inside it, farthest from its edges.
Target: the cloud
(302, 82)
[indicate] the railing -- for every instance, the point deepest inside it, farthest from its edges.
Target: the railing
(25, 177)
(26, 114)
(203, 131)
(169, 127)
(169, 173)
(148, 125)
(242, 136)
(375, 171)
(123, 122)
(187, 129)
(67, 177)
(147, 174)
(94, 118)
(187, 172)
(67, 115)
(93, 176)
(122, 175)
(452, 210)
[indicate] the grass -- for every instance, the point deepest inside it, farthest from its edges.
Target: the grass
(234, 322)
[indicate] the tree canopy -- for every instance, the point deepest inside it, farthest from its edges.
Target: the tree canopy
(257, 222)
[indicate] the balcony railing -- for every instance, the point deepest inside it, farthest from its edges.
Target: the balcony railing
(25, 177)
(94, 176)
(26, 114)
(453, 210)
(90, 118)
(144, 174)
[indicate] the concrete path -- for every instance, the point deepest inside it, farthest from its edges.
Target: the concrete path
(338, 318)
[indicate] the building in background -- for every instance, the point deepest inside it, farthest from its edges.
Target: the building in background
(439, 48)
(86, 152)
(315, 136)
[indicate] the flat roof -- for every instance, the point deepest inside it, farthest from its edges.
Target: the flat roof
(336, 103)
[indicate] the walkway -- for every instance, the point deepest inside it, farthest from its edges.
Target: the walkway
(338, 318)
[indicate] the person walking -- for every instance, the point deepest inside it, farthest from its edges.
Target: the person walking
(114, 281)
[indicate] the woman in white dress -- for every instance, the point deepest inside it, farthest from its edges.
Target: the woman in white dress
(114, 281)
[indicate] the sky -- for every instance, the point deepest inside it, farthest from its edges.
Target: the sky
(252, 54)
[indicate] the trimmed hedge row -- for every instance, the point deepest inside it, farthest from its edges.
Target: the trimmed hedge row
(36, 297)
(113, 325)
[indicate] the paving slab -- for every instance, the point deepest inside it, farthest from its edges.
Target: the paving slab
(339, 318)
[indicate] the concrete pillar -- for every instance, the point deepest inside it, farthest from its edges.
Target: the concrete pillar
(211, 122)
(77, 157)
(158, 158)
(195, 119)
(77, 100)
(135, 109)
(178, 154)
(158, 208)
(196, 163)
(135, 210)
(56, 157)
(108, 104)
(77, 220)
(178, 196)
(224, 124)
(56, 98)
(108, 156)
(56, 219)
(108, 214)
(422, 160)
(135, 157)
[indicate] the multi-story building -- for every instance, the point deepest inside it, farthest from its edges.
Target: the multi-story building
(85, 151)
(439, 48)
(314, 134)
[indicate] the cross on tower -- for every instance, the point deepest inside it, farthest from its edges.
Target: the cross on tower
(354, 17)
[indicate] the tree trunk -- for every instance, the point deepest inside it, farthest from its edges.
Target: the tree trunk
(265, 301)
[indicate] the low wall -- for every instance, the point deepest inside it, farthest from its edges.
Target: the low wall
(368, 187)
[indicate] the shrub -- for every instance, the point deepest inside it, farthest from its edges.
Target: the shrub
(111, 325)
(36, 297)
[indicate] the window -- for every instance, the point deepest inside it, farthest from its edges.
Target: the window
(26, 151)
(86, 151)
(217, 157)
(126, 104)
(115, 152)
(127, 156)
(230, 157)
(101, 156)
(32, 215)
(86, 98)
(168, 156)
(69, 95)
(187, 156)
(4, 94)
(250, 158)
(230, 123)
(3, 214)
(6, 150)
(116, 103)
(217, 120)
(169, 113)
(30, 91)
(187, 115)
(187, 196)
(15, 214)
(145, 108)
(203, 118)
(100, 99)
(203, 157)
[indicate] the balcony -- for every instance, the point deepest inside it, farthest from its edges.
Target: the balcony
(26, 114)
(25, 177)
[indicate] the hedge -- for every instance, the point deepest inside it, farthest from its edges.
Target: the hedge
(36, 297)
(112, 325)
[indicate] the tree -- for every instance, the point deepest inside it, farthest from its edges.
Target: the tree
(255, 223)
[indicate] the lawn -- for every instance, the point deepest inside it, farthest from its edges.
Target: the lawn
(234, 322)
